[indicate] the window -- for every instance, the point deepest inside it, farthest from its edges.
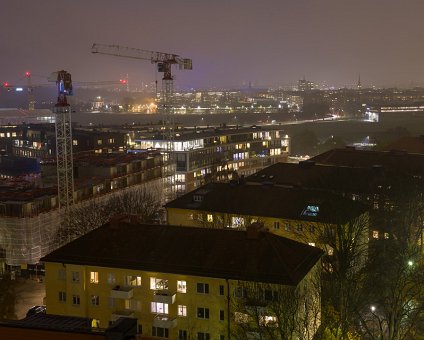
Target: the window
(160, 332)
(159, 307)
(182, 286)
(221, 315)
(312, 244)
(270, 295)
(239, 292)
(111, 278)
(299, 227)
(287, 227)
(132, 304)
(203, 313)
(75, 300)
(203, 288)
(94, 277)
(375, 234)
(182, 334)
(182, 310)
(95, 323)
(386, 235)
(62, 296)
(312, 229)
(276, 225)
(95, 300)
(311, 210)
(222, 337)
(203, 336)
(158, 283)
(266, 320)
(61, 274)
(134, 280)
(75, 277)
(221, 289)
(111, 302)
(237, 222)
(210, 218)
(74, 142)
(99, 142)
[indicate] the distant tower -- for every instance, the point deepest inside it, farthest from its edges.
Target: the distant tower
(359, 86)
(31, 100)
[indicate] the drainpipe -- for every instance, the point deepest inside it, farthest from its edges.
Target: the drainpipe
(228, 310)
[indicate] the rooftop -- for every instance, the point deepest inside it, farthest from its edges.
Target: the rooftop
(217, 253)
(268, 200)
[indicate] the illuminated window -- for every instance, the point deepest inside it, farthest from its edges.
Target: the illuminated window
(158, 283)
(210, 218)
(134, 280)
(386, 235)
(241, 317)
(74, 142)
(190, 216)
(311, 210)
(237, 222)
(182, 310)
(287, 227)
(375, 233)
(181, 286)
(159, 307)
(311, 244)
(94, 277)
(330, 251)
(266, 320)
(99, 142)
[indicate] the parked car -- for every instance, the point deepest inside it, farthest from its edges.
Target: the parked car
(36, 310)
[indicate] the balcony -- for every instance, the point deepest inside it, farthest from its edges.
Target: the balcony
(164, 296)
(119, 292)
(164, 321)
(122, 314)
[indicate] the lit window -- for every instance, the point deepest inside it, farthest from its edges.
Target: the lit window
(182, 310)
(76, 300)
(99, 142)
(311, 210)
(181, 286)
(75, 142)
(203, 288)
(95, 300)
(75, 277)
(266, 320)
(159, 307)
(330, 251)
(237, 222)
(190, 216)
(287, 227)
(158, 283)
(312, 244)
(62, 296)
(386, 235)
(210, 218)
(95, 323)
(375, 233)
(94, 277)
(134, 280)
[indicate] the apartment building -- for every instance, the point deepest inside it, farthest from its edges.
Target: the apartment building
(220, 154)
(29, 214)
(184, 283)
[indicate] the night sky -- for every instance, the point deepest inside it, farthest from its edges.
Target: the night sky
(231, 42)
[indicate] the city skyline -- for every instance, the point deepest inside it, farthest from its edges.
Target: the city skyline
(232, 43)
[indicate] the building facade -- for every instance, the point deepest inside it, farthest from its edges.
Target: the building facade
(182, 283)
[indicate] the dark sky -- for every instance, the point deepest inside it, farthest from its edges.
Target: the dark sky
(231, 42)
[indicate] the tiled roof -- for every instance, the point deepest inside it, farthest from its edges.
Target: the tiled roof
(204, 252)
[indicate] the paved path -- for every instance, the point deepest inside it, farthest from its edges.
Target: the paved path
(29, 292)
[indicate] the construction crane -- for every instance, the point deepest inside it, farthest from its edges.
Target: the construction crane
(164, 63)
(63, 128)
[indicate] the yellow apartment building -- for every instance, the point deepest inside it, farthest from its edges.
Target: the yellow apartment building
(184, 283)
(299, 214)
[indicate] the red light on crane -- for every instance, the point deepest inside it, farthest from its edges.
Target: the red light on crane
(123, 81)
(27, 74)
(6, 84)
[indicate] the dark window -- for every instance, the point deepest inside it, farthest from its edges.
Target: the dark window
(203, 336)
(221, 290)
(203, 288)
(221, 315)
(160, 332)
(203, 313)
(182, 334)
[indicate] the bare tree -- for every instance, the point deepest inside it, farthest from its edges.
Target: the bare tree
(142, 201)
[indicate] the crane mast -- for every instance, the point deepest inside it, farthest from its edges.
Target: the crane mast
(63, 128)
(164, 63)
